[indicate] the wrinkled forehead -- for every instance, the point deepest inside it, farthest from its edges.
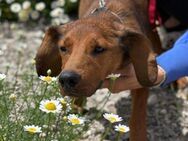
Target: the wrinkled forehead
(84, 35)
(80, 32)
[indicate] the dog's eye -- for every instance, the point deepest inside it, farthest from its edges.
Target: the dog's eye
(63, 49)
(98, 50)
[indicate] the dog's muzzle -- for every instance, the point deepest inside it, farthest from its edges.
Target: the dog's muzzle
(69, 79)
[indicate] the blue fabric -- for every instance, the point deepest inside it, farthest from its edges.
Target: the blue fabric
(175, 60)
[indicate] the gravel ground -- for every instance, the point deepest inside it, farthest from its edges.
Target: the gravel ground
(167, 109)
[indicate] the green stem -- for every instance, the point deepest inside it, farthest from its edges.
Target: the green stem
(57, 123)
(106, 99)
(43, 92)
(48, 129)
(106, 132)
(72, 102)
(119, 136)
(5, 112)
(15, 112)
(16, 74)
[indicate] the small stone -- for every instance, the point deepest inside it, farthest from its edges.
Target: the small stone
(152, 100)
(163, 111)
(185, 131)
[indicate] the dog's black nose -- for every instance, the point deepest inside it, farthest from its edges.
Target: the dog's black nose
(69, 79)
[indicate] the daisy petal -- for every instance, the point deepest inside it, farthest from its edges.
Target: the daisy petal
(75, 120)
(50, 106)
(32, 129)
(48, 79)
(122, 128)
(112, 117)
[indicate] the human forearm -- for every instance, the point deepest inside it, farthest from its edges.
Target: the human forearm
(175, 61)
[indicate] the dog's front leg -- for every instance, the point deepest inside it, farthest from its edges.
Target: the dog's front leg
(138, 115)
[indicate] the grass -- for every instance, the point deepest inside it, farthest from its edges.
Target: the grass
(19, 106)
(20, 98)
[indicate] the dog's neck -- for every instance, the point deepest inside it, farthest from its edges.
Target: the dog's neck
(119, 12)
(105, 9)
(129, 12)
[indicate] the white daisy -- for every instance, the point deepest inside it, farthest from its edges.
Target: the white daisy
(48, 79)
(2, 76)
(40, 6)
(33, 61)
(9, 1)
(15, 8)
(35, 15)
(32, 129)
(23, 15)
(50, 106)
(122, 128)
(26, 5)
(113, 76)
(68, 99)
(65, 19)
(54, 4)
(61, 2)
(112, 117)
(62, 101)
(56, 12)
(73, 1)
(75, 120)
(56, 21)
(65, 104)
(45, 126)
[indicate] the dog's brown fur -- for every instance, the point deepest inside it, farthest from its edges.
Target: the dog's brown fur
(126, 38)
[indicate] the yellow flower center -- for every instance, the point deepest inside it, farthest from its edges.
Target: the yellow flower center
(32, 130)
(33, 61)
(12, 97)
(50, 106)
(75, 121)
(112, 119)
(47, 79)
(65, 118)
(121, 129)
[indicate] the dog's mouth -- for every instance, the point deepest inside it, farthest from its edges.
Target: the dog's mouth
(80, 93)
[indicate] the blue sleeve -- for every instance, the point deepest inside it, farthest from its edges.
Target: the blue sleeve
(175, 60)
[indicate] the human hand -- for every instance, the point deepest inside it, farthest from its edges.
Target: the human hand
(128, 79)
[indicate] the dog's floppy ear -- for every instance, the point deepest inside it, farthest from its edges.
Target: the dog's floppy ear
(142, 57)
(48, 56)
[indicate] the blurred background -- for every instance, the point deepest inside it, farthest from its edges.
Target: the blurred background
(53, 12)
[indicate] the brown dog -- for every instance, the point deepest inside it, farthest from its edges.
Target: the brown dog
(102, 41)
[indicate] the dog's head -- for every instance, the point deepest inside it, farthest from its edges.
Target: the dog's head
(84, 52)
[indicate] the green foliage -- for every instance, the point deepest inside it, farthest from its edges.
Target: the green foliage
(20, 106)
